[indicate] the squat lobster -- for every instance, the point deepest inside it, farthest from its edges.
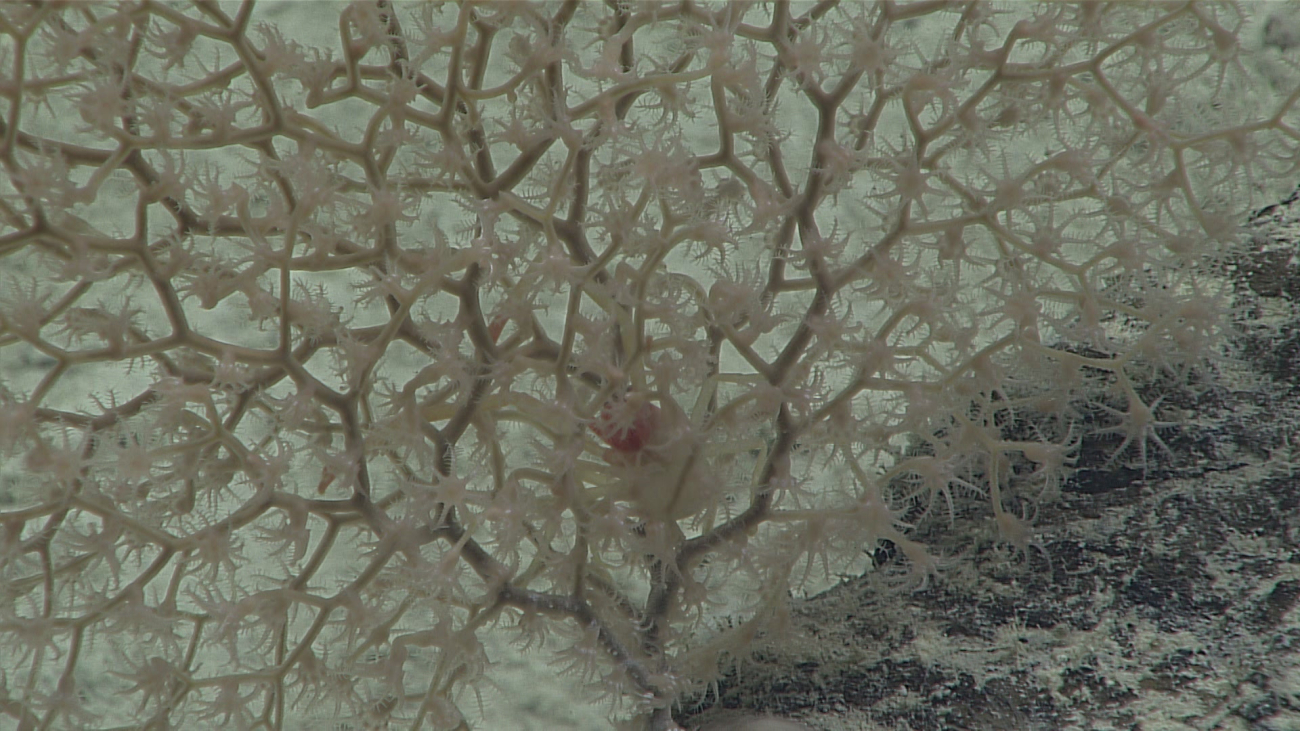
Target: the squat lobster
(657, 455)
(627, 425)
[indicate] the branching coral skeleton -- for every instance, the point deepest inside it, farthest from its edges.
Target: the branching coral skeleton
(341, 344)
